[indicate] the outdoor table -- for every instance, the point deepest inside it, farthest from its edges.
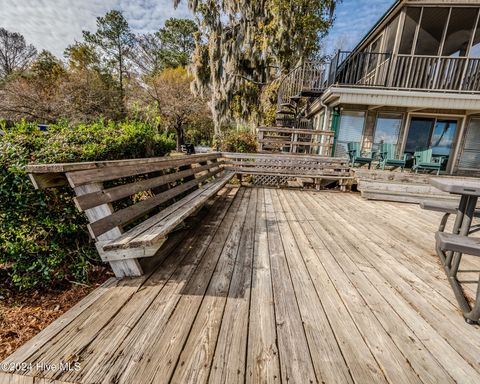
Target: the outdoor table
(469, 190)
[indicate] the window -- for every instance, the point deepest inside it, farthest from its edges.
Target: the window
(431, 30)
(459, 32)
(387, 129)
(350, 130)
(470, 157)
(412, 16)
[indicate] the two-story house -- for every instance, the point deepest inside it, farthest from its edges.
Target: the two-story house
(413, 81)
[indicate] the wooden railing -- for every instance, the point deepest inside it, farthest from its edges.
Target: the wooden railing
(283, 139)
(316, 167)
(436, 73)
(362, 68)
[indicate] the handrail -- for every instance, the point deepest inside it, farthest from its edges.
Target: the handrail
(307, 76)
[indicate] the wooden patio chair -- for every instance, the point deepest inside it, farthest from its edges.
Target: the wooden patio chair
(357, 156)
(388, 159)
(424, 160)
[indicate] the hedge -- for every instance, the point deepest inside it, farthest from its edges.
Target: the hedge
(43, 238)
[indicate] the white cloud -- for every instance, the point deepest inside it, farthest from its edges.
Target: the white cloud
(54, 24)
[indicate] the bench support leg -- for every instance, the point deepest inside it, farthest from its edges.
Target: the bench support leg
(121, 268)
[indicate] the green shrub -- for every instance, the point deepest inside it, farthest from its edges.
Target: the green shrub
(43, 238)
(242, 140)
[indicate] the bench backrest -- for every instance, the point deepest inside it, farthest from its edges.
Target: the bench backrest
(130, 190)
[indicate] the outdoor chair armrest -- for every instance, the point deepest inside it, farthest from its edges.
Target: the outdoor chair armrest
(438, 159)
(371, 154)
(352, 152)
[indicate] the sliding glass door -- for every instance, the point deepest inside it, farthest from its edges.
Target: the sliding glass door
(427, 132)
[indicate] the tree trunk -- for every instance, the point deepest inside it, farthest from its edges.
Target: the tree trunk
(180, 136)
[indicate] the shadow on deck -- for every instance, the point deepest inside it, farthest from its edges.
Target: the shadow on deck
(269, 285)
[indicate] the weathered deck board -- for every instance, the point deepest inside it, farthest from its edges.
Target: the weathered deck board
(275, 286)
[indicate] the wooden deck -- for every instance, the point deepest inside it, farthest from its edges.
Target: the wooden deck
(274, 286)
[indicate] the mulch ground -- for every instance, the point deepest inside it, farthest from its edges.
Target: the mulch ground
(24, 314)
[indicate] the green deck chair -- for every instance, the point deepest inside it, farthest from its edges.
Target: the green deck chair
(425, 160)
(356, 155)
(388, 158)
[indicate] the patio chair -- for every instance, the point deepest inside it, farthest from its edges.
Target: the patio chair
(357, 156)
(424, 160)
(388, 159)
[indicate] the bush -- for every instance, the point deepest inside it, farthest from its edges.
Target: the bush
(43, 238)
(242, 140)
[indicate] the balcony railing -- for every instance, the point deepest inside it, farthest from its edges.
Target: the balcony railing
(382, 70)
(436, 73)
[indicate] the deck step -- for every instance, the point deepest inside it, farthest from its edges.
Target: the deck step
(458, 243)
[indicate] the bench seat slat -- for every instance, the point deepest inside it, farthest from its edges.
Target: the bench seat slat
(133, 212)
(458, 243)
(442, 206)
(122, 241)
(158, 226)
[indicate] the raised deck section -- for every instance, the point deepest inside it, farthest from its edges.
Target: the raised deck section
(406, 187)
(274, 286)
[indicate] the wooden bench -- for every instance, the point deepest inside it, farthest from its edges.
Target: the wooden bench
(455, 245)
(152, 197)
(458, 243)
(133, 205)
(448, 208)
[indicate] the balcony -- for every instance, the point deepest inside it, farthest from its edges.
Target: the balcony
(381, 70)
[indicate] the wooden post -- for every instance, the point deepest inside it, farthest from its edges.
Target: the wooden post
(260, 140)
(121, 268)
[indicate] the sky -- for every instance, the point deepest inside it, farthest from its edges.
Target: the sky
(353, 19)
(54, 24)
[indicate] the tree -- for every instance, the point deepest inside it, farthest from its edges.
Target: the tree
(177, 42)
(116, 41)
(89, 91)
(35, 95)
(170, 47)
(15, 53)
(245, 45)
(170, 92)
